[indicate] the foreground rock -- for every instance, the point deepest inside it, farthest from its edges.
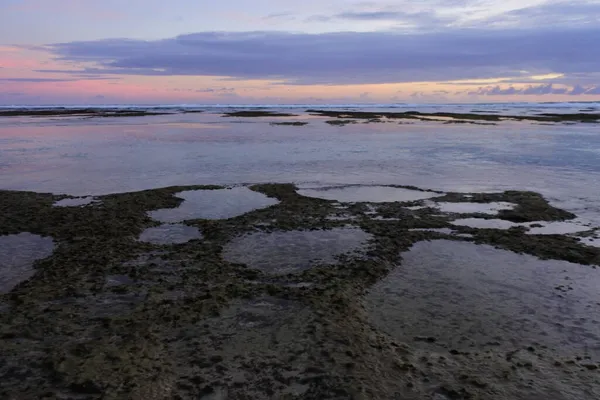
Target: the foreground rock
(109, 316)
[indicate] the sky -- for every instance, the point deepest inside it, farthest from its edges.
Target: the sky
(284, 51)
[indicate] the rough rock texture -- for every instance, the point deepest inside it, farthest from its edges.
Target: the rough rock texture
(107, 316)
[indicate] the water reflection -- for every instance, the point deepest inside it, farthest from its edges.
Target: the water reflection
(17, 255)
(99, 156)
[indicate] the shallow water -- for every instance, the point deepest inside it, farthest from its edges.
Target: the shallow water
(471, 208)
(374, 194)
(77, 156)
(17, 255)
(294, 251)
(545, 228)
(594, 242)
(481, 223)
(76, 202)
(214, 204)
(471, 296)
(558, 228)
(170, 234)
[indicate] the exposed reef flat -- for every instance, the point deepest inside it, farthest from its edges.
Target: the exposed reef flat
(258, 113)
(341, 122)
(106, 315)
(290, 123)
(455, 117)
(342, 117)
(87, 112)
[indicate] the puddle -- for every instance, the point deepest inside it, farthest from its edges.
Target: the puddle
(214, 204)
(557, 228)
(594, 242)
(371, 194)
(546, 228)
(371, 210)
(170, 234)
(17, 255)
(294, 251)
(467, 295)
(472, 208)
(485, 223)
(76, 202)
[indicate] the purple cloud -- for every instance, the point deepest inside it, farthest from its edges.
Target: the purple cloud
(345, 57)
(538, 90)
(593, 90)
(556, 13)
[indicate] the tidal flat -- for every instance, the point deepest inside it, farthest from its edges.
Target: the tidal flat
(240, 312)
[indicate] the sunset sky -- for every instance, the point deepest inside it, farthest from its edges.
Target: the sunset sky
(266, 51)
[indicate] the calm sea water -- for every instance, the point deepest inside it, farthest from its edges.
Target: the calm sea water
(84, 156)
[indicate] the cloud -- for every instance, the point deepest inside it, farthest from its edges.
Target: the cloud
(34, 80)
(216, 90)
(578, 89)
(281, 15)
(344, 57)
(554, 13)
(537, 90)
(438, 14)
(594, 90)
(416, 19)
(438, 95)
(371, 15)
(38, 80)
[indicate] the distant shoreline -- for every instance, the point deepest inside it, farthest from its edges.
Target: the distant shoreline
(584, 115)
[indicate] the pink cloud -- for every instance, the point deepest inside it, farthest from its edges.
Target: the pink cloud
(83, 90)
(22, 59)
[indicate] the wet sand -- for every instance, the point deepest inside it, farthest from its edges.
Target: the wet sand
(368, 294)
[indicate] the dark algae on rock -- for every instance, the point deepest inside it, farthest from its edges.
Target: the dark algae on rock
(455, 117)
(257, 114)
(291, 123)
(87, 112)
(107, 316)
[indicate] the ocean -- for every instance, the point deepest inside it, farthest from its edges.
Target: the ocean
(93, 156)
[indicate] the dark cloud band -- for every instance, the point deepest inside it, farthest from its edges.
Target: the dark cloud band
(347, 57)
